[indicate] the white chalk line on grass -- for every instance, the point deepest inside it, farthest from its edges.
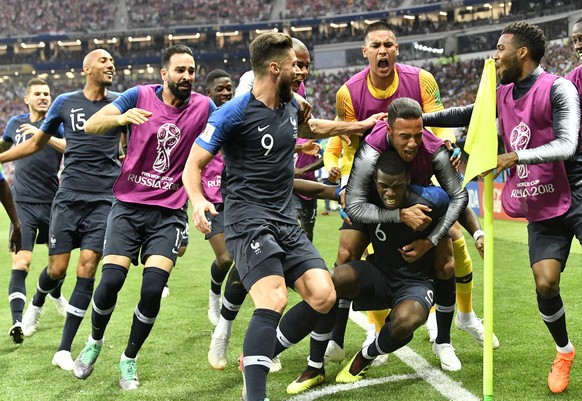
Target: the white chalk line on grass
(447, 387)
(337, 388)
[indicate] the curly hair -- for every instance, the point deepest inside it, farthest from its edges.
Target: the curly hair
(530, 36)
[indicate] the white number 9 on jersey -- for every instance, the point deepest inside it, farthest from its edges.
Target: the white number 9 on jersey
(267, 143)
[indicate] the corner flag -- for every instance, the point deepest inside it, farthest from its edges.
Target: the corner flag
(481, 142)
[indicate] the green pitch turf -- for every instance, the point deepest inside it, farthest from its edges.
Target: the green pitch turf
(172, 364)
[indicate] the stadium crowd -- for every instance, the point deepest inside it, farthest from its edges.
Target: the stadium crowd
(19, 18)
(458, 82)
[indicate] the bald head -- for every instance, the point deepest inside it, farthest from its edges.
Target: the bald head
(95, 55)
(99, 67)
(298, 45)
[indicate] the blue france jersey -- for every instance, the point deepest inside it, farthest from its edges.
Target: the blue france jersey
(91, 161)
(258, 145)
(35, 176)
(387, 238)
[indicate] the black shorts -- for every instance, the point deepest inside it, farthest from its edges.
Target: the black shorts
(34, 220)
(552, 238)
(305, 209)
(140, 231)
(378, 292)
(185, 236)
(78, 220)
(216, 222)
(252, 242)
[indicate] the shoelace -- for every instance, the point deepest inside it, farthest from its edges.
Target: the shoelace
(129, 370)
(91, 354)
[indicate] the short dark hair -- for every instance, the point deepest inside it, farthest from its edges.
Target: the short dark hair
(168, 52)
(378, 26)
(528, 35)
(35, 81)
(216, 74)
(391, 163)
(268, 47)
(403, 107)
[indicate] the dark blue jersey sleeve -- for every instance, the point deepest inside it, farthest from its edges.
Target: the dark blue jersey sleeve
(434, 197)
(127, 100)
(221, 121)
(11, 126)
(53, 119)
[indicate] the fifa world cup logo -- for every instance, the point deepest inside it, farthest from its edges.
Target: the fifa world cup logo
(519, 139)
(168, 137)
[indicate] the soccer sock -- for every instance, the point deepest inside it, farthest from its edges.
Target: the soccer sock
(56, 293)
(44, 286)
(341, 322)
(464, 274)
(554, 316)
(216, 278)
(445, 308)
(295, 325)
(378, 317)
(78, 304)
(153, 281)
(384, 343)
(234, 295)
(258, 350)
(17, 294)
(320, 337)
(112, 279)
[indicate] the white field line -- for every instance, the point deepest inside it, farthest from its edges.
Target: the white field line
(447, 387)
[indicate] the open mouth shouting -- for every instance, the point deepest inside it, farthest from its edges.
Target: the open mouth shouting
(383, 65)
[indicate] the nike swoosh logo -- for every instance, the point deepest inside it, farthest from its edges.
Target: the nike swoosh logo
(261, 129)
(76, 110)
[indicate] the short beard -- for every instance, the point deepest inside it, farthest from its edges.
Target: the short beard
(511, 74)
(178, 93)
(285, 92)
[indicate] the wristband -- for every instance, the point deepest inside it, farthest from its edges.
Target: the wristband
(477, 234)
(343, 214)
(456, 152)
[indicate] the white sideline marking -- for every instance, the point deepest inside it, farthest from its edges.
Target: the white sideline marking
(329, 390)
(447, 387)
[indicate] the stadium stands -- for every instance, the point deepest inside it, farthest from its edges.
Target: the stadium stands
(21, 18)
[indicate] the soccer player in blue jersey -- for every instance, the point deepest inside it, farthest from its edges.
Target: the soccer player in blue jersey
(84, 198)
(386, 279)
(34, 187)
(257, 132)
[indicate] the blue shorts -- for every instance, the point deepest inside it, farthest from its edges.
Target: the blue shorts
(185, 236)
(378, 292)
(216, 222)
(140, 231)
(552, 238)
(305, 209)
(34, 220)
(78, 220)
(253, 242)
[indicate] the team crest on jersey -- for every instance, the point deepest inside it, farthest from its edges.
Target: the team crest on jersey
(168, 137)
(256, 247)
(519, 139)
(206, 136)
(294, 124)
